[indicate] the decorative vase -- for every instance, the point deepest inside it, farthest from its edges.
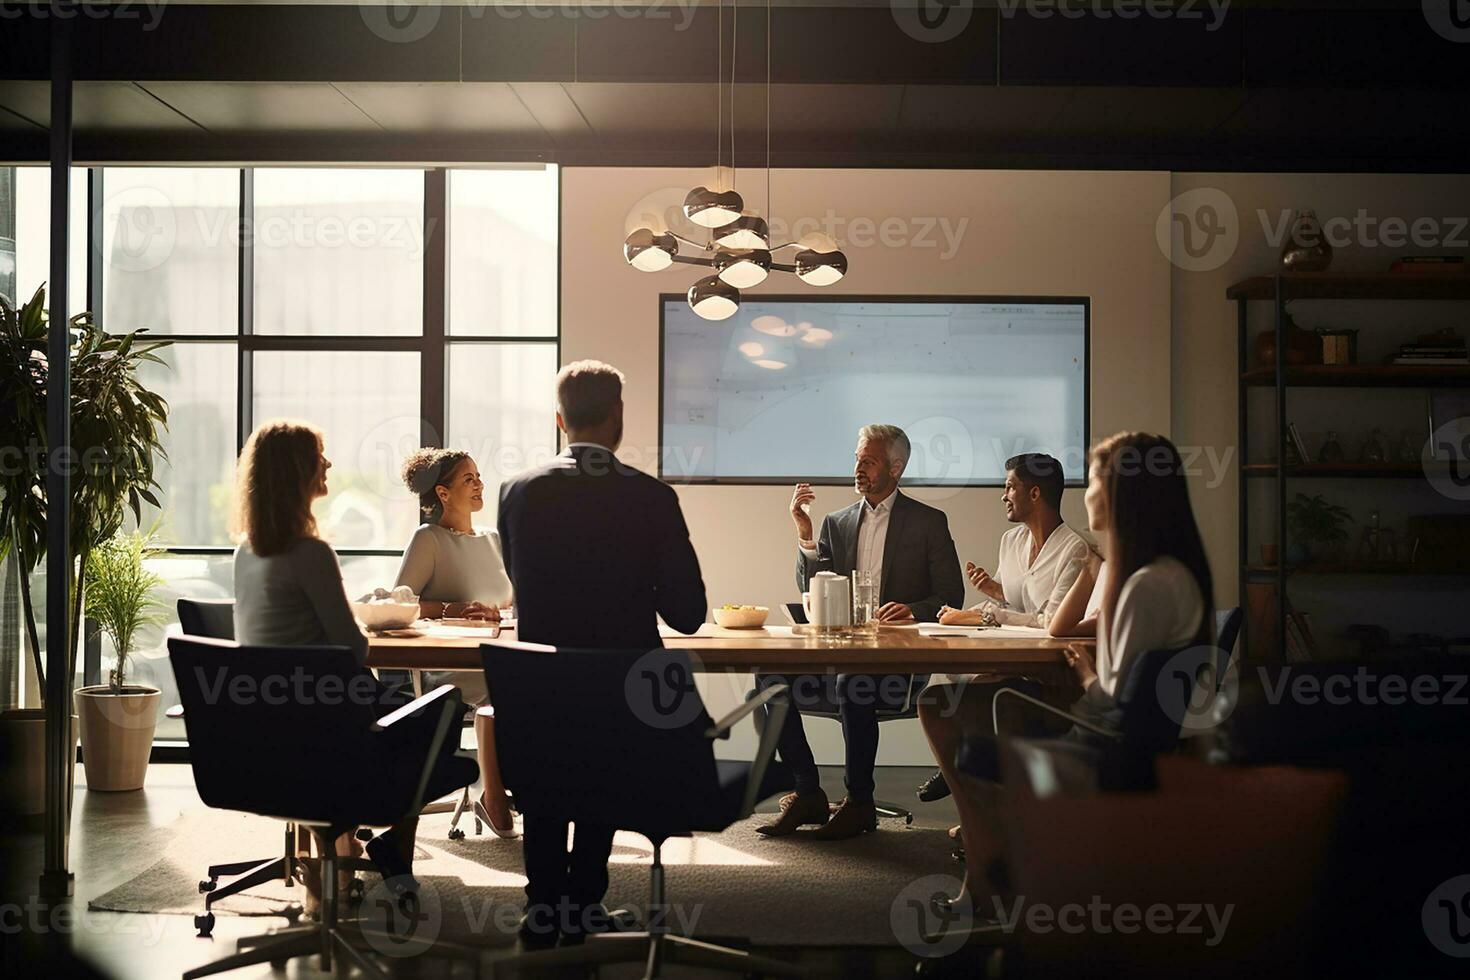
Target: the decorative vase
(1302, 346)
(1375, 450)
(117, 734)
(1306, 248)
(1331, 450)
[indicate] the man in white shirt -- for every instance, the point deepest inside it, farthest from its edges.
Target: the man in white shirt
(908, 548)
(1040, 558)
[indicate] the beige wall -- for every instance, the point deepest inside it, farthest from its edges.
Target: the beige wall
(1012, 233)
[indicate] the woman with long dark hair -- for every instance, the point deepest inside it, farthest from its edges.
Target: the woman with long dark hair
(1156, 593)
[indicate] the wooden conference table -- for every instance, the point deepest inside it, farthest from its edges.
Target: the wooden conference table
(893, 650)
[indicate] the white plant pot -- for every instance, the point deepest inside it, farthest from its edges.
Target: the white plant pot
(23, 778)
(117, 734)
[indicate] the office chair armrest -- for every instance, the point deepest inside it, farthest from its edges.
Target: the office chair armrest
(721, 728)
(1085, 725)
(174, 711)
(397, 715)
(766, 748)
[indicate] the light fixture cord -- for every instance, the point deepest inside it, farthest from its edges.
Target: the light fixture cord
(770, 215)
(734, 47)
(719, 93)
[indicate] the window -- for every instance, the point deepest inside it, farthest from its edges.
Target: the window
(310, 303)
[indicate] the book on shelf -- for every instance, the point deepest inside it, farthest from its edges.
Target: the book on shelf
(1432, 360)
(1295, 443)
(1428, 263)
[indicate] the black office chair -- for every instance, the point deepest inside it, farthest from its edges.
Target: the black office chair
(622, 738)
(328, 762)
(215, 619)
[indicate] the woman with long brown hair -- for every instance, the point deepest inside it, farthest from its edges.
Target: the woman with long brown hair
(289, 592)
(1156, 593)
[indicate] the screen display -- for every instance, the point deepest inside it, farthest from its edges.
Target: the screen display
(777, 392)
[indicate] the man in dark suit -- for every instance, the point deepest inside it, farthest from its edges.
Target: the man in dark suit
(596, 552)
(908, 546)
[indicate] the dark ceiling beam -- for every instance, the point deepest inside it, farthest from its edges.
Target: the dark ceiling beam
(815, 45)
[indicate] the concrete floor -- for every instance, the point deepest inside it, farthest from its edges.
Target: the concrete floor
(107, 829)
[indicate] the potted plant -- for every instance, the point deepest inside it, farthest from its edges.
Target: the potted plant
(117, 718)
(1313, 521)
(117, 429)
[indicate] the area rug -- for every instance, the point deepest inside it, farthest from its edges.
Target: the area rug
(791, 891)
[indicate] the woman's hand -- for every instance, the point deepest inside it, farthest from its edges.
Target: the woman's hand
(949, 616)
(472, 610)
(1079, 658)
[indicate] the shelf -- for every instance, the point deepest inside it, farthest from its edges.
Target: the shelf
(1365, 376)
(1351, 285)
(1395, 568)
(1356, 471)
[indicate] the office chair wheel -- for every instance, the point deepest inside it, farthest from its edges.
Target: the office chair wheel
(208, 885)
(205, 924)
(355, 892)
(908, 818)
(456, 834)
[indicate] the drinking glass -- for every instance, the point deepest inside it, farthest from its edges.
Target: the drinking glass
(864, 598)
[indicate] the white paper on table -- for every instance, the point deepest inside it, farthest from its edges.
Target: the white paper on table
(931, 629)
(459, 632)
(1019, 631)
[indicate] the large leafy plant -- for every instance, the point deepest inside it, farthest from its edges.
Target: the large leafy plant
(1315, 521)
(117, 427)
(120, 593)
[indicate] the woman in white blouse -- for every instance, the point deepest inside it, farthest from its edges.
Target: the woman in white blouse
(457, 572)
(1154, 592)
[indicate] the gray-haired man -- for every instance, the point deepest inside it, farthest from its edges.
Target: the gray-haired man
(908, 546)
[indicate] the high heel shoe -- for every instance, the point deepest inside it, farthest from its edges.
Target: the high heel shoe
(482, 816)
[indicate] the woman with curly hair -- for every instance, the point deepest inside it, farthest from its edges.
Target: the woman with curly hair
(457, 572)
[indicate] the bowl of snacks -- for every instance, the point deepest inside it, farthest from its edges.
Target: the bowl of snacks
(385, 609)
(733, 617)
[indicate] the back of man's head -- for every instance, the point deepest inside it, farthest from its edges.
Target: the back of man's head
(587, 393)
(1041, 471)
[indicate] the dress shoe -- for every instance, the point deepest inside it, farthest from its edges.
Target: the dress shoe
(798, 809)
(596, 919)
(538, 929)
(850, 820)
(397, 873)
(936, 787)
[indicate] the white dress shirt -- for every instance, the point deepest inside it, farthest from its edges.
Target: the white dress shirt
(872, 536)
(1034, 589)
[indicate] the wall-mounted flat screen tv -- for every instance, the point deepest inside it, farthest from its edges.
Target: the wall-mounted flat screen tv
(777, 392)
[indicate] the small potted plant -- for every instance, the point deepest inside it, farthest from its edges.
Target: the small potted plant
(1315, 523)
(118, 718)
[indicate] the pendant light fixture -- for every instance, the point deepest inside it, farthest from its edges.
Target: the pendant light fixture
(739, 249)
